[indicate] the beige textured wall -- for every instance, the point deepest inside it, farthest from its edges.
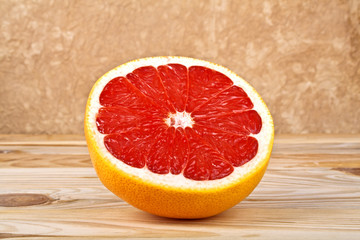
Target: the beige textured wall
(302, 56)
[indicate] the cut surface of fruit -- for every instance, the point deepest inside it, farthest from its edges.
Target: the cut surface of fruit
(219, 112)
(179, 124)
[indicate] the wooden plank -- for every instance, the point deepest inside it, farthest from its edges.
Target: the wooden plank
(26, 139)
(80, 188)
(130, 223)
(71, 140)
(50, 157)
(60, 157)
(317, 138)
(44, 149)
(28, 160)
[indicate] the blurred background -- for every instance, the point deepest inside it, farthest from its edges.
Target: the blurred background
(303, 57)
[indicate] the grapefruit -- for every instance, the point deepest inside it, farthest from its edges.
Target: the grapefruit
(178, 137)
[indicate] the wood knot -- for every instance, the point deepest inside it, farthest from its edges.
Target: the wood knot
(23, 199)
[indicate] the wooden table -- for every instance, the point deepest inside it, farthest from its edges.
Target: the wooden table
(49, 190)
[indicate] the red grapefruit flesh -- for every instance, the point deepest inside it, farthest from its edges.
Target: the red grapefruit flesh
(177, 120)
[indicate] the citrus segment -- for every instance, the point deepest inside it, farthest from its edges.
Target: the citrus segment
(204, 83)
(238, 149)
(175, 81)
(134, 144)
(116, 119)
(179, 152)
(158, 160)
(205, 163)
(232, 99)
(148, 81)
(119, 119)
(243, 123)
(120, 92)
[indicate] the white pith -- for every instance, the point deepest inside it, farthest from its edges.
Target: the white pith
(264, 137)
(179, 119)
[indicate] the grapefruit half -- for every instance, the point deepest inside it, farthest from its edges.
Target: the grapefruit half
(178, 137)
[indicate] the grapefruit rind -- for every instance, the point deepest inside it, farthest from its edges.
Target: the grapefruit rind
(169, 181)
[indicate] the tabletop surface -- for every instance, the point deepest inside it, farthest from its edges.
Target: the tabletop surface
(49, 190)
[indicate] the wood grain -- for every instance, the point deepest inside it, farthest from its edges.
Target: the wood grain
(310, 191)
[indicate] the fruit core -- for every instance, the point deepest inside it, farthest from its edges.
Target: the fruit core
(179, 119)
